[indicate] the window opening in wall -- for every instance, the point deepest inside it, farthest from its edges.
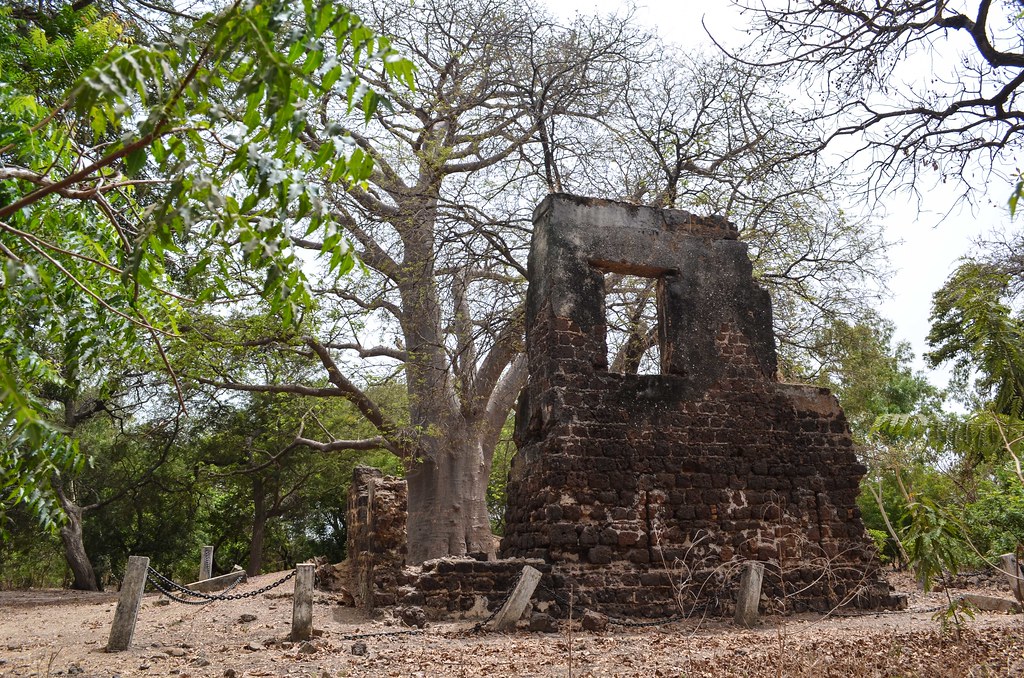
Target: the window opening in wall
(631, 321)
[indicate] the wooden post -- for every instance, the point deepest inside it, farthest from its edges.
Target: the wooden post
(516, 604)
(302, 603)
(1009, 565)
(127, 612)
(749, 595)
(206, 563)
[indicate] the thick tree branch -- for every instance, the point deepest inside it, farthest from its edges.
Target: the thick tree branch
(350, 391)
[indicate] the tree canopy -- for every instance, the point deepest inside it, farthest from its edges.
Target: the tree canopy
(135, 162)
(920, 87)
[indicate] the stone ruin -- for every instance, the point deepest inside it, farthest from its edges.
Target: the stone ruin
(375, 573)
(643, 494)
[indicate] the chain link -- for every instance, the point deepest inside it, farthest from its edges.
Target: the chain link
(155, 578)
(380, 634)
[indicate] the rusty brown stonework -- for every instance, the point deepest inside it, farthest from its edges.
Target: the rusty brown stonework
(636, 488)
(376, 576)
(376, 540)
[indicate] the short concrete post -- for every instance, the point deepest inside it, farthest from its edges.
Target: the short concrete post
(516, 604)
(206, 563)
(302, 603)
(1009, 565)
(127, 612)
(750, 594)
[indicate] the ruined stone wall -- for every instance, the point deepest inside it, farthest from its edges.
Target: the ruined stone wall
(378, 576)
(376, 540)
(465, 587)
(635, 486)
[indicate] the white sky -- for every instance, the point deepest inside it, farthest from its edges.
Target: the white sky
(931, 236)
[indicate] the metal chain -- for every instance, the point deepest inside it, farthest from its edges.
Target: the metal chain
(175, 598)
(155, 578)
(403, 632)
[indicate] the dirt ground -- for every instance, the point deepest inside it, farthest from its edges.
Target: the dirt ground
(63, 633)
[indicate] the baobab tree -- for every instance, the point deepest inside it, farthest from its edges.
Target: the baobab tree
(508, 106)
(441, 226)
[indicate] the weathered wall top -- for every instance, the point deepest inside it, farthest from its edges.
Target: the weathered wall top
(703, 276)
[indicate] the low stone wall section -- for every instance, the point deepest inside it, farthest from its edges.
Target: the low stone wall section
(465, 588)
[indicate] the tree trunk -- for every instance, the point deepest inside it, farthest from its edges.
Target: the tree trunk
(259, 528)
(74, 545)
(448, 502)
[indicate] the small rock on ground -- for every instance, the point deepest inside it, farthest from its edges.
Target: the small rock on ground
(594, 621)
(412, 616)
(543, 623)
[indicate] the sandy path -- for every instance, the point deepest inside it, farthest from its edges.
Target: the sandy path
(63, 633)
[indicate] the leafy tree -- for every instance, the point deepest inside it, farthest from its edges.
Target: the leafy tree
(975, 326)
(871, 376)
(995, 518)
(140, 494)
(154, 147)
(508, 105)
(265, 480)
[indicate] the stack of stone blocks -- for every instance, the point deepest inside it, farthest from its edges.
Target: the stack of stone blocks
(641, 490)
(376, 539)
(443, 587)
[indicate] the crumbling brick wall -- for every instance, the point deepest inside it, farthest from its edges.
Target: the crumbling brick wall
(376, 540)
(631, 484)
(466, 587)
(376, 570)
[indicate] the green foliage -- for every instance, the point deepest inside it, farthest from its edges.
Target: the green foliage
(28, 559)
(950, 616)
(498, 480)
(977, 515)
(128, 168)
(933, 539)
(994, 520)
(46, 57)
(247, 455)
(870, 375)
(974, 328)
(1018, 191)
(881, 539)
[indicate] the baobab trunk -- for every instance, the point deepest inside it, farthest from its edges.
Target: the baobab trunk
(448, 504)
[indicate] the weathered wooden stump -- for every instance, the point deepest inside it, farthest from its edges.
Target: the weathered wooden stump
(749, 595)
(1011, 568)
(206, 563)
(127, 612)
(302, 603)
